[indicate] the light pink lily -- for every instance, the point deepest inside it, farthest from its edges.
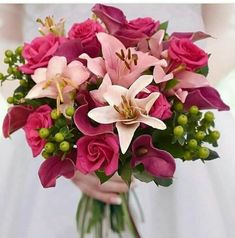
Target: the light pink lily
(123, 65)
(127, 111)
(58, 80)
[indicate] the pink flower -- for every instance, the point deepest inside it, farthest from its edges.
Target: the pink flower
(40, 118)
(129, 33)
(205, 98)
(39, 52)
(15, 119)
(145, 25)
(158, 163)
(127, 111)
(86, 32)
(161, 107)
(123, 65)
(98, 153)
(184, 51)
(53, 167)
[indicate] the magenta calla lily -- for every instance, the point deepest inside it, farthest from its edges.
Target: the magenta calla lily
(193, 36)
(158, 163)
(83, 122)
(53, 167)
(205, 98)
(15, 119)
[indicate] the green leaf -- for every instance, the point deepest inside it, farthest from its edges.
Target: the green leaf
(213, 155)
(143, 176)
(163, 26)
(204, 71)
(165, 182)
(102, 176)
(125, 171)
(171, 84)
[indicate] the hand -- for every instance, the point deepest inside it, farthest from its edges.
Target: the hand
(107, 192)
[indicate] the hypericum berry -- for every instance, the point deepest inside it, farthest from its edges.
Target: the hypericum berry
(187, 155)
(70, 111)
(44, 133)
(178, 131)
(54, 114)
(49, 147)
(59, 137)
(19, 50)
(10, 100)
(45, 155)
(7, 60)
(8, 53)
(200, 135)
(64, 146)
(179, 107)
(193, 110)
(209, 116)
(23, 83)
(192, 144)
(10, 70)
(182, 120)
(203, 153)
(215, 135)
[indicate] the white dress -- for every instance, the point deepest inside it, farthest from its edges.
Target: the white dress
(199, 204)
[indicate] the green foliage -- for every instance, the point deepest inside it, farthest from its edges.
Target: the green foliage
(165, 182)
(171, 84)
(204, 70)
(163, 26)
(102, 176)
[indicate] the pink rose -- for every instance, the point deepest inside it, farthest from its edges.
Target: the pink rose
(145, 25)
(98, 152)
(39, 52)
(86, 32)
(40, 118)
(184, 51)
(161, 108)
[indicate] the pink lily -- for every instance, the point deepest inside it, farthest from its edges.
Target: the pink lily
(58, 80)
(123, 65)
(127, 111)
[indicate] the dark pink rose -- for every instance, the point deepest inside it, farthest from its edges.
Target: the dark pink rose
(39, 52)
(184, 51)
(158, 163)
(205, 98)
(86, 32)
(98, 153)
(161, 108)
(15, 119)
(40, 118)
(53, 167)
(146, 25)
(129, 33)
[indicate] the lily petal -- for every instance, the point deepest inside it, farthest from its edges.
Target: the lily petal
(141, 83)
(98, 94)
(181, 95)
(160, 76)
(147, 103)
(56, 65)
(126, 133)
(104, 115)
(39, 75)
(152, 121)
(95, 65)
(114, 94)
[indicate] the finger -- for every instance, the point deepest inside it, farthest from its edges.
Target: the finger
(109, 198)
(116, 187)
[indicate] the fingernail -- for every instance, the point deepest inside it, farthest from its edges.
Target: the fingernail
(116, 200)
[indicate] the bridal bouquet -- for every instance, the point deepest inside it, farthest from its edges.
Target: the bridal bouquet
(112, 96)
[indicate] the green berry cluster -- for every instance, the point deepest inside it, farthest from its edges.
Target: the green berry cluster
(191, 129)
(59, 138)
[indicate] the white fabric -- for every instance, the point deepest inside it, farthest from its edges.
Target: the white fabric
(198, 205)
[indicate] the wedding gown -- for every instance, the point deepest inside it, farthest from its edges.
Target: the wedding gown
(199, 204)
